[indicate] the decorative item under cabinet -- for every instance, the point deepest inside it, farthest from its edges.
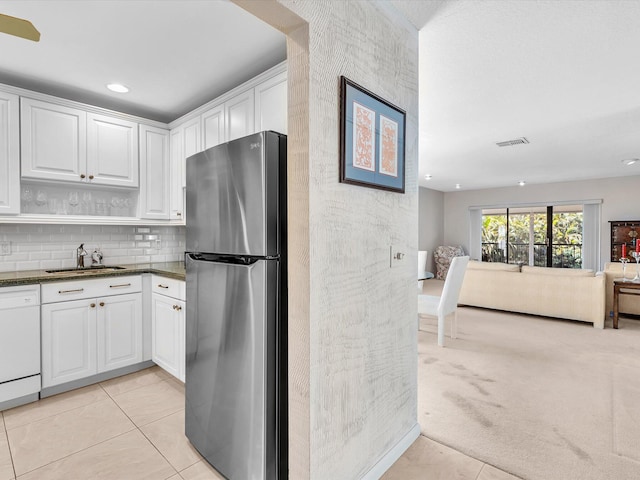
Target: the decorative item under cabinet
(624, 232)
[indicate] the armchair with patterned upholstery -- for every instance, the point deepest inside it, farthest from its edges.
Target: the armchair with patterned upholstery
(443, 256)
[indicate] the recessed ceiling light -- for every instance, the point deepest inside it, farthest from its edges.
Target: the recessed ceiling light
(427, 177)
(630, 161)
(458, 186)
(117, 87)
(522, 183)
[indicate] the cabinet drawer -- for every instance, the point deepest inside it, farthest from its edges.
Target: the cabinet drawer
(14, 297)
(168, 286)
(79, 289)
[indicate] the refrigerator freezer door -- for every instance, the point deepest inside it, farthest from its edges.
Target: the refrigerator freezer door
(232, 197)
(231, 364)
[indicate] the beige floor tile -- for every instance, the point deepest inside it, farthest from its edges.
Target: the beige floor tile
(52, 438)
(175, 477)
(6, 466)
(151, 402)
(442, 463)
(135, 380)
(201, 471)
(492, 473)
(127, 457)
(55, 405)
(167, 434)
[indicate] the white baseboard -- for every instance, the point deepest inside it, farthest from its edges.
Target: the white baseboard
(393, 454)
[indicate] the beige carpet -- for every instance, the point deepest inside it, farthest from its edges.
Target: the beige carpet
(540, 398)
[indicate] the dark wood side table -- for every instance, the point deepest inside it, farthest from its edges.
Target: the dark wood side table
(618, 284)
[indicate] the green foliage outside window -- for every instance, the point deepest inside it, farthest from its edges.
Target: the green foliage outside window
(567, 238)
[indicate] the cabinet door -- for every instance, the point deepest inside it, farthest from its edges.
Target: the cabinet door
(68, 341)
(213, 127)
(239, 115)
(176, 200)
(185, 141)
(53, 141)
(119, 331)
(154, 172)
(192, 144)
(271, 104)
(9, 153)
(167, 333)
(112, 151)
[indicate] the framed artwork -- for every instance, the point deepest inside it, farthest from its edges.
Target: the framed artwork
(372, 135)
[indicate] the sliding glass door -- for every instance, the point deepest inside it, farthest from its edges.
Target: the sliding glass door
(541, 236)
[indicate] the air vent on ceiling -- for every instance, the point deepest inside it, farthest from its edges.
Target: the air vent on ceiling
(511, 143)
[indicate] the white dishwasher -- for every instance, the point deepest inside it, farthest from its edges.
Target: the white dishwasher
(19, 345)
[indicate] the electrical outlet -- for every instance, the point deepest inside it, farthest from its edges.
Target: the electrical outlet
(396, 257)
(5, 248)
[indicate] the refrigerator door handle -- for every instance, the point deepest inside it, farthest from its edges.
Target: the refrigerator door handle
(234, 259)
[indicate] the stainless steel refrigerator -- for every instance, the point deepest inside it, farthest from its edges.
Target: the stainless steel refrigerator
(236, 375)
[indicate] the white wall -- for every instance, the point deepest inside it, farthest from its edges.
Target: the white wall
(35, 247)
(352, 318)
(430, 222)
(619, 197)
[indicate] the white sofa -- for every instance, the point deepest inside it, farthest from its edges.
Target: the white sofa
(626, 303)
(552, 292)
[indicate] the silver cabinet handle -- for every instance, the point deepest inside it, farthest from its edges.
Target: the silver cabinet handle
(62, 292)
(93, 305)
(177, 308)
(120, 286)
(162, 286)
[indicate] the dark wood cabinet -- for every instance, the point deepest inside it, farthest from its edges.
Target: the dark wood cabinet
(624, 232)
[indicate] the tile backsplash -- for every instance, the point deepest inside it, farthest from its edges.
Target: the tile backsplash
(35, 247)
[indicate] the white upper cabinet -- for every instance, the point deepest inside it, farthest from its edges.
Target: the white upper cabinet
(154, 172)
(112, 151)
(213, 127)
(176, 167)
(271, 104)
(53, 140)
(186, 140)
(9, 154)
(69, 144)
(240, 116)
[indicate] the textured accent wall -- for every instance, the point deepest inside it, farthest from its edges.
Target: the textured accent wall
(35, 247)
(352, 322)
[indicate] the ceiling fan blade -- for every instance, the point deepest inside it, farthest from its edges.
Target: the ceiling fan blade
(19, 28)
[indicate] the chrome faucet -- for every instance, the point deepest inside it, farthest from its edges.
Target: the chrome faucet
(80, 254)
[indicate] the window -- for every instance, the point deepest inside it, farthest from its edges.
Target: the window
(548, 236)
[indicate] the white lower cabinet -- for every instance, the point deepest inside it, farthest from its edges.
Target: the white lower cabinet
(68, 341)
(168, 325)
(119, 331)
(98, 329)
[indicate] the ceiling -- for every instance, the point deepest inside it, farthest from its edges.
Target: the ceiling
(561, 73)
(174, 55)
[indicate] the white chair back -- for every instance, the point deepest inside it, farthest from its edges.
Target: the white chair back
(422, 260)
(422, 267)
(453, 285)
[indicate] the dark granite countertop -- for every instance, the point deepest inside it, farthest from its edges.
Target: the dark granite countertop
(166, 269)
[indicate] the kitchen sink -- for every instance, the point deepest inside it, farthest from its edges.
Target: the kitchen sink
(101, 268)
